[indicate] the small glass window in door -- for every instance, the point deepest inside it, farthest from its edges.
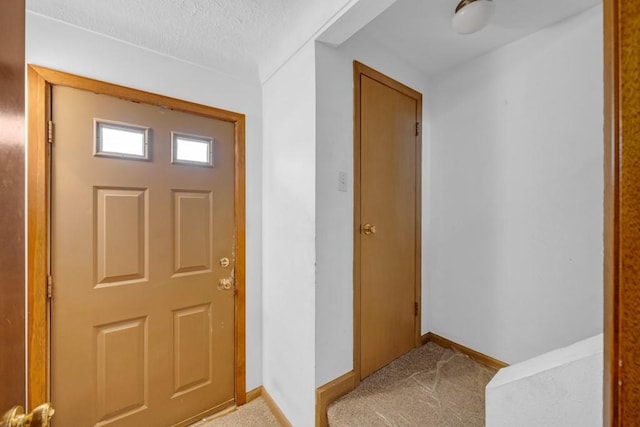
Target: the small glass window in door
(113, 139)
(191, 149)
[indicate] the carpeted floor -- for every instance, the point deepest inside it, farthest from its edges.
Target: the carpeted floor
(427, 387)
(255, 413)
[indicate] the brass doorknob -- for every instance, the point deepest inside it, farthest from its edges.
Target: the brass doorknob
(39, 417)
(368, 229)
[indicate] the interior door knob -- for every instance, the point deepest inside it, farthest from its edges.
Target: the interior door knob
(368, 229)
(39, 417)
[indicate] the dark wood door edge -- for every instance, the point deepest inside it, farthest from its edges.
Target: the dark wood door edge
(12, 210)
(621, 212)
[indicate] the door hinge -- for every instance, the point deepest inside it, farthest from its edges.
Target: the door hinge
(49, 287)
(416, 308)
(417, 128)
(50, 132)
(620, 373)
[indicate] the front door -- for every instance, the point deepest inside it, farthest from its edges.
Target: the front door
(389, 240)
(142, 240)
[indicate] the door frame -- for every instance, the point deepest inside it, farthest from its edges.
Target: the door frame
(359, 70)
(40, 81)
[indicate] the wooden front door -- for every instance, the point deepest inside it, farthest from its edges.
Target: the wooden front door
(388, 218)
(142, 232)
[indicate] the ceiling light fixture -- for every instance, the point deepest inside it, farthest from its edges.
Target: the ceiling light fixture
(472, 15)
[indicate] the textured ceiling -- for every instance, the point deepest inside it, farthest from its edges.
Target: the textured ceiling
(232, 36)
(248, 39)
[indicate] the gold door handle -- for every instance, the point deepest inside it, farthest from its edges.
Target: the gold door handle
(225, 284)
(368, 229)
(39, 417)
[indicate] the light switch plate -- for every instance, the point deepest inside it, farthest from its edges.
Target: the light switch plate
(342, 181)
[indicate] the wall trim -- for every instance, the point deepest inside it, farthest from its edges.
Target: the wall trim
(275, 409)
(473, 354)
(254, 394)
(329, 393)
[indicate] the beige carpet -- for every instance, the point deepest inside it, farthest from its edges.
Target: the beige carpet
(255, 413)
(429, 386)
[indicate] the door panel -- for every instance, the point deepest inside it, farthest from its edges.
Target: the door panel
(122, 368)
(192, 217)
(192, 348)
(141, 332)
(121, 236)
(388, 174)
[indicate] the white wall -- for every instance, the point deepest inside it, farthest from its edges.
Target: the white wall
(558, 389)
(60, 46)
(514, 260)
(289, 236)
(334, 209)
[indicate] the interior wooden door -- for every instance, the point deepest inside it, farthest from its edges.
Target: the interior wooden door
(142, 235)
(389, 239)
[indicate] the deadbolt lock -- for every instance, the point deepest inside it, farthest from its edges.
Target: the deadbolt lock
(224, 262)
(225, 284)
(368, 229)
